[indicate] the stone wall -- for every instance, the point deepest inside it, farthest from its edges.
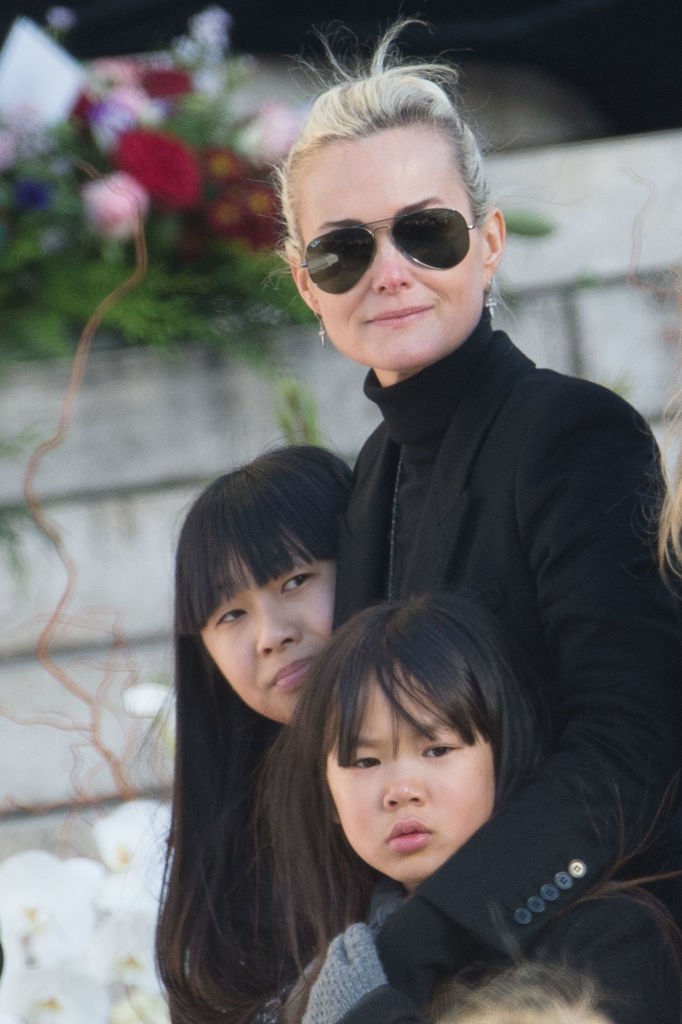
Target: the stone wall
(595, 297)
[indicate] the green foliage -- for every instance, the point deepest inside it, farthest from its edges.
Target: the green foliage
(528, 225)
(297, 412)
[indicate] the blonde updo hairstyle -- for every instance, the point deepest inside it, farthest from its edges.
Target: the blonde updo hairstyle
(387, 93)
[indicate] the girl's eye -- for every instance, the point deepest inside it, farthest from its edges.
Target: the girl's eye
(439, 751)
(366, 762)
(294, 582)
(231, 616)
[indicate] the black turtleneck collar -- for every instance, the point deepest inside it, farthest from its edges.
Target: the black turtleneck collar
(422, 406)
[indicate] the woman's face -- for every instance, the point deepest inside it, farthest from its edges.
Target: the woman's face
(264, 638)
(407, 802)
(400, 317)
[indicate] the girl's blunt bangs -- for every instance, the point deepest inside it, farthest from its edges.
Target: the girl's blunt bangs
(436, 653)
(417, 657)
(255, 524)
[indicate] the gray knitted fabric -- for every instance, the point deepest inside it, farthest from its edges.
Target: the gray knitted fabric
(351, 969)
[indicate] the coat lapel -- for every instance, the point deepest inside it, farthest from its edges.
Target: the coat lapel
(447, 499)
(364, 529)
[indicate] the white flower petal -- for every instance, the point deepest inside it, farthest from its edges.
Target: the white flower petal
(54, 997)
(122, 952)
(139, 1008)
(131, 831)
(47, 908)
(146, 699)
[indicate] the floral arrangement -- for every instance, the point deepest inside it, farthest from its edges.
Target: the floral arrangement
(158, 145)
(78, 933)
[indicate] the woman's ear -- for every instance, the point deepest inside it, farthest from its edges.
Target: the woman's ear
(494, 234)
(305, 287)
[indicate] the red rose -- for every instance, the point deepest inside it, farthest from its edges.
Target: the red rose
(164, 83)
(163, 165)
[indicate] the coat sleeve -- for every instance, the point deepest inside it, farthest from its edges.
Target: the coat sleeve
(386, 1005)
(627, 950)
(580, 485)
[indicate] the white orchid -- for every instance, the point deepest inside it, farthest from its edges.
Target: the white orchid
(47, 908)
(122, 952)
(55, 996)
(146, 700)
(134, 833)
(139, 1008)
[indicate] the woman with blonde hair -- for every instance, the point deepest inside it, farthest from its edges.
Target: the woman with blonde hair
(533, 491)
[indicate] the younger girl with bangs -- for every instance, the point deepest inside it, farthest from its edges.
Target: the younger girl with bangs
(414, 732)
(254, 593)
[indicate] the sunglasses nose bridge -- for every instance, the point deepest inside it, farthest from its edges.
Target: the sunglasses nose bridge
(383, 225)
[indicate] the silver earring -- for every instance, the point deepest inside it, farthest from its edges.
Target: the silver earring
(322, 334)
(490, 299)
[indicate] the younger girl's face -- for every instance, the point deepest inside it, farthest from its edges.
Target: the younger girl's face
(264, 638)
(407, 802)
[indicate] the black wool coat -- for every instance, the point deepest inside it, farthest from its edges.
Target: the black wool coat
(540, 505)
(615, 942)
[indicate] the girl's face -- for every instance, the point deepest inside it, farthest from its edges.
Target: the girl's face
(264, 638)
(399, 317)
(407, 803)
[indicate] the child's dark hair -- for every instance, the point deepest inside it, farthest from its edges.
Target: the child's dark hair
(438, 652)
(250, 525)
(254, 524)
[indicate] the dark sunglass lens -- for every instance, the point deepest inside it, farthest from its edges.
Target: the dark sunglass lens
(336, 261)
(435, 238)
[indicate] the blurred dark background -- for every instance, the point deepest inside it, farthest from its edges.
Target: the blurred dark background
(621, 56)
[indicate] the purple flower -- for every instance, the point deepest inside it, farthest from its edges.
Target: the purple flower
(32, 195)
(210, 28)
(60, 19)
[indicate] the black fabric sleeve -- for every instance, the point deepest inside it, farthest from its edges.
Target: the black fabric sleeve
(627, 950)
(385, 1005)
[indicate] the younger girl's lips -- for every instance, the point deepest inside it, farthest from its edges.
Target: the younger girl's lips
(409, 836)
(291, 677)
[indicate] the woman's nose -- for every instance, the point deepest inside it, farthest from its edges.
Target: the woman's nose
(390, 270)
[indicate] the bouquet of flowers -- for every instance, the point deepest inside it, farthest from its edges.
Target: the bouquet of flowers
(157, 150)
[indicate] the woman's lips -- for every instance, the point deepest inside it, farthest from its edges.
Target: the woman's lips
(397, 316)
(409, 836)
(291, 676)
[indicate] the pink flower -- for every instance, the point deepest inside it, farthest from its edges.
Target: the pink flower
(131, 98)
(115, 204)
(272, 135)
(116, 71)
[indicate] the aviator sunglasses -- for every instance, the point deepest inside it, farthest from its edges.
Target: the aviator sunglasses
(437, 238)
